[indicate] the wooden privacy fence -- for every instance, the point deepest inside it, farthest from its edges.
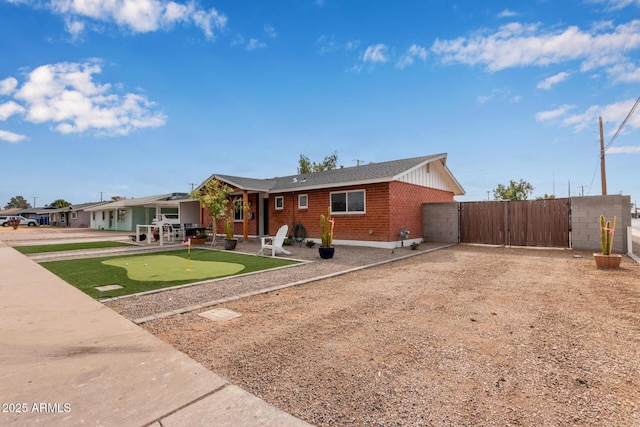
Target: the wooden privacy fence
(517, 223)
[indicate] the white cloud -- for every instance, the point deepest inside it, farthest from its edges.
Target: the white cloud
(270, 32)
(375, 53)
(328, 44)
(588, 119)
(11, 137)
(66, 95)
(255, 44)
(545, 116)
(138, 16)
(624, 150)
(518, 45)
(8, 109)
(8, 85)
(414, 51)
(507, 14)
(547, 83)
(614, 4)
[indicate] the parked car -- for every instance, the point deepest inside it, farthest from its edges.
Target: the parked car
(4, 220)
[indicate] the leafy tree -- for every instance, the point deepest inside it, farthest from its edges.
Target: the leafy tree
(60, 203)
(329, 162)
(514, 191)
(17, 202)
(546, 197)
(214, 196)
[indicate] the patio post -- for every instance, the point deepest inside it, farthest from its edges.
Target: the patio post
(245, 216)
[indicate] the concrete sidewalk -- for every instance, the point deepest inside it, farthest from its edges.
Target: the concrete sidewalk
(66, 359)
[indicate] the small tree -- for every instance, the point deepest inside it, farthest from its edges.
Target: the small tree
(546, 197)
(60, 203)
(214, 196)
(329, 162)
(514, 191)
(17, 202)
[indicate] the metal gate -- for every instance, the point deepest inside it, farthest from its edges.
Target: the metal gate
(517, 223)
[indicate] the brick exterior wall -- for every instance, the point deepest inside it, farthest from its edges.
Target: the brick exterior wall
(405, 202)
(389, 207)
(238, 225)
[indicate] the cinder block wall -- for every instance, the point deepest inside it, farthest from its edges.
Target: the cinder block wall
(440, 222)
(585, 221)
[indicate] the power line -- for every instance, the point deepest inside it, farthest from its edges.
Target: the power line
(624, 122)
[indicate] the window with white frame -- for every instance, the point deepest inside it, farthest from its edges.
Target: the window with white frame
(238, 212)
(303, 201)
(74, 215)
(122, 215)
(348, 202)
(279, 202)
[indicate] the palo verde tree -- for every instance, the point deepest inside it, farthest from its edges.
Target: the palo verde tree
(306, 166)
(214, 196)
(17, 202)
(520, 190)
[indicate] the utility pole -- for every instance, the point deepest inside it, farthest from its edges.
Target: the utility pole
(581, 187)
(603, 171)
(192, 184)
(488, 195)
(101, 193)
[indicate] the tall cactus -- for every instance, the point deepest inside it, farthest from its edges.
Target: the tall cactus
(606, 235)
(326, 229)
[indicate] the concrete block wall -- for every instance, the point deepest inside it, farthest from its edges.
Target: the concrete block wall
(585, 221)
(440, 222)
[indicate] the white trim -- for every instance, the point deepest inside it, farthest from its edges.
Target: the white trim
(347, 212)
(306, 196)
(275, 203)
(372, 244)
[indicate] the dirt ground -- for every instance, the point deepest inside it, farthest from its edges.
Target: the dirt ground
(461, 336)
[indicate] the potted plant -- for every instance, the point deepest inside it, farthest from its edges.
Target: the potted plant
(326, 249)
(229, 241)
(199, 236)
(606, 259)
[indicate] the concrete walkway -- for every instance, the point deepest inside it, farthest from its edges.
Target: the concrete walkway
(67, 360)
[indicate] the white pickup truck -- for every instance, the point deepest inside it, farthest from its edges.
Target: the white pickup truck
(4, 220)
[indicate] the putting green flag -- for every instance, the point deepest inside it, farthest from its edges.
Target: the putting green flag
(188, 244)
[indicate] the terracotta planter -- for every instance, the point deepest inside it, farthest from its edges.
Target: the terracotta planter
(230, 244)
(607, 261)
(326, 252)
(198, 241)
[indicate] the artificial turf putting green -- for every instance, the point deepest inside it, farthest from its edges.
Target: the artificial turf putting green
(162, 270)
(170, 267)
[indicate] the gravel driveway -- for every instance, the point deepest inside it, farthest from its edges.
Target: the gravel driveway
(466, 335)
(460, 336)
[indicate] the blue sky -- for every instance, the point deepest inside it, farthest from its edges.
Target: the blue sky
(141, 97)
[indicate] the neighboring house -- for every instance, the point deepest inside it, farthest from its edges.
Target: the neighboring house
(39, 214)
(371, 204)
(10, 211)
(72, 216)
(125, 214)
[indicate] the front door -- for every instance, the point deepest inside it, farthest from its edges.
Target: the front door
(265, 216)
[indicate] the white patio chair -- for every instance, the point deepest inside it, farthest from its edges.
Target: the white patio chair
(275, 243)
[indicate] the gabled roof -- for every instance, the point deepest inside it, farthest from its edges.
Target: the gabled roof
(169, 199)
(355, 175)
(78, 207)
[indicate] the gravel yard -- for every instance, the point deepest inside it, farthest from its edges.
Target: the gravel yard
(460, 336)
(467, 335)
